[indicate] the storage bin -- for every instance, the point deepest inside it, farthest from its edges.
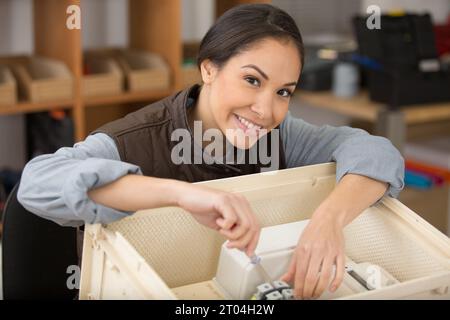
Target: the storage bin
(8, 87)
(397, 88)
(191, 75)
(165, 254)
(43, 79)
(143, 70)
(102, 76)
(189, 70)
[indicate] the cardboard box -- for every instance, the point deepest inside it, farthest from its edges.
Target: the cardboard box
(44, 79)
(8, 87)
(104, 76)
(191, 75)
(144, 70)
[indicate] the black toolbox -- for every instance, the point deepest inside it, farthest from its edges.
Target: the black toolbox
(400, 54)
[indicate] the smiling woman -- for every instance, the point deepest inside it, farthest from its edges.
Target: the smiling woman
(256, 55)
(261, 80)
(250, 61)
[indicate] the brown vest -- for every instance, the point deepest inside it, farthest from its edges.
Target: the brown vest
(143, 138)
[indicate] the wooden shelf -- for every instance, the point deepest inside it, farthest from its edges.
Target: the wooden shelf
(27, 107)
(126, 97)
(154, 26)
(224, 5)
(427, 113)
(360, 107)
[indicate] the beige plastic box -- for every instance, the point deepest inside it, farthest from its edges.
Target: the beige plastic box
(44, 79)
(8, 87)
(239, 278)
(165, 254)
(105, 77)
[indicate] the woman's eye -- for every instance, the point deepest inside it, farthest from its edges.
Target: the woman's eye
(252, 81)
(285, 93)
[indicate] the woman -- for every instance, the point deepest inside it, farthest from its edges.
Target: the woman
(250, 61)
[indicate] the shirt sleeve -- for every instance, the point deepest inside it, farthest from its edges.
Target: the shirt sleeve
(354, 151)
(54, 186)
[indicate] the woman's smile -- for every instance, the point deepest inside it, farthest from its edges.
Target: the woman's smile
(247, 126)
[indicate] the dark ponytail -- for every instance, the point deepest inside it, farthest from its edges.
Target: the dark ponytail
(241, 26)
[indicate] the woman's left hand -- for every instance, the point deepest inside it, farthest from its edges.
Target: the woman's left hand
(320, 248)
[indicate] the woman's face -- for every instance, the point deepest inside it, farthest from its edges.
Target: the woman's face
(249, 95)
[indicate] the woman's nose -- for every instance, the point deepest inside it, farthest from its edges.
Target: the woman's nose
(263, 106)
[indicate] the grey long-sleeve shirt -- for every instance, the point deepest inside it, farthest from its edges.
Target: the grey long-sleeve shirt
(55, 186)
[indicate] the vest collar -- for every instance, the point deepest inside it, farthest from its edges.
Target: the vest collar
(183, 100)
(186, 99)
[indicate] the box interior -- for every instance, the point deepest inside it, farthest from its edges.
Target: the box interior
(143, 60)
(40, 69)
(103, 65)
(184, 253)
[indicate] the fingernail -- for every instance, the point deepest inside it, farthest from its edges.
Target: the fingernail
(333, 288)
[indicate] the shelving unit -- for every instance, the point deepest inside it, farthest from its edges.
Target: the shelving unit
(398, 126)
(389, 123)
(154, 26)
(222, 6)
(26, 107)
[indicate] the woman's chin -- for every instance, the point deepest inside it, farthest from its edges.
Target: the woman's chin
(241, 140)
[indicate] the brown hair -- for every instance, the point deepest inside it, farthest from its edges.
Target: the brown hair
(241, 26)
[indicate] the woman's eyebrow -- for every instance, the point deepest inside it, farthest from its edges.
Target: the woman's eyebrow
(294, 83)
(257, 69)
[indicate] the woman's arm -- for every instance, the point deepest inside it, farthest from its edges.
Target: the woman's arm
(226, 212)
(354, 151)
(54, 186)
(322, 243)
(89, 184)
(367, 167)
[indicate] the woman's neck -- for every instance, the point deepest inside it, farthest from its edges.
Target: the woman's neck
(201, 112)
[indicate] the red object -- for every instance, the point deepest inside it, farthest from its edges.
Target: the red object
(86, 69)
(436, 172)
(437, 180)
(57, 114)
(442, 35)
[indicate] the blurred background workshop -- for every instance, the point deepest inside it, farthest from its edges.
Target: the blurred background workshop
(59, 84)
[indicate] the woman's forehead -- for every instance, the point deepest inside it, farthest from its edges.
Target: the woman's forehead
(278, 60)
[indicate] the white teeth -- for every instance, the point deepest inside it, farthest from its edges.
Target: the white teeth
(248, 124)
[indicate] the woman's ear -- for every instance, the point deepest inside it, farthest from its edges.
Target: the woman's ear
(208, 71)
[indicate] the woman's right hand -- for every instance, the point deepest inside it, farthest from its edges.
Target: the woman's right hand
(226, 212)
